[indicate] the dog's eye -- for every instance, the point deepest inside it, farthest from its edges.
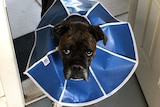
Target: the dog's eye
(89, 53)
(66, 51)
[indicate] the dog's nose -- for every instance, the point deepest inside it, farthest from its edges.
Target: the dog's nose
(77, 72)
(76, 68)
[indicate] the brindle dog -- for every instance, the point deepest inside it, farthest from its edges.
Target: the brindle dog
(77, 43)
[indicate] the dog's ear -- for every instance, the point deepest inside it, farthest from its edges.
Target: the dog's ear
(97, 33)
(61, 28)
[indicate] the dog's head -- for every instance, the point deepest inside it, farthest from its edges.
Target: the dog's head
(77, 47)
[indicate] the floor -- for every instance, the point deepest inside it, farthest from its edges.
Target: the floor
(24, 16)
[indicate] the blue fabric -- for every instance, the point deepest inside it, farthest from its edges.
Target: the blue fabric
(44, 44)
(112, 72)
(100, 16)
(110, 69)
(119, 40)
(78, 6)
(54, 15)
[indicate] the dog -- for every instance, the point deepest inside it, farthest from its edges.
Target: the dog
(77, 43)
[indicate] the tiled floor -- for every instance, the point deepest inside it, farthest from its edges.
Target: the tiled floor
(128, 96)
(24, 16)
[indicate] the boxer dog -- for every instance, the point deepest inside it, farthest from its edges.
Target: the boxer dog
(77, 43)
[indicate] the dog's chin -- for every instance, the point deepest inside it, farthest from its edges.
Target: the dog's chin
(69, 74)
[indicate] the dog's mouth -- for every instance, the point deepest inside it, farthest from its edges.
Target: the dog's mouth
(76, 72)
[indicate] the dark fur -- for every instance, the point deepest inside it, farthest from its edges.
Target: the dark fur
(77, 45)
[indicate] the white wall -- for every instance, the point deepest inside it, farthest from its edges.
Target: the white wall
(10, 86)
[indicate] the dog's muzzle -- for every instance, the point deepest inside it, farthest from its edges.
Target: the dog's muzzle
(76, 72)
